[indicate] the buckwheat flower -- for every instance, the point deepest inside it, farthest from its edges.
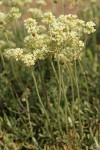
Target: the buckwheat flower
(35, 42)
(80, 23)
(39, 40)
(36, 13)
(72, 34)
(71, 17)
(14, 12)
(14, 53)
(29, 41)
(72, 24)
(57, 32)
(48, 18)
(79, 26)
(59, 38)
(28, 59)
(32, 30)
(41, 54)
(81, 44)
(30, 25)
(30, 22)
(41, 29)
(89, 27)
(62, 18)
(61, 57)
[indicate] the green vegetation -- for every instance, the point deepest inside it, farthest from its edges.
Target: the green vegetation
(49, 76)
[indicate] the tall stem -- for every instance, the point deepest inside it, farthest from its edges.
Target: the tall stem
(30, 124)
(39, 98)
(87, 90)
(59, 94)
(54, 70)
(79, 101)
(67, 105)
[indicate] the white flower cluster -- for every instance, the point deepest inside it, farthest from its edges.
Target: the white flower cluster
(20, 54)
(14, 13)
(6, 19)
(14, 53)
(48, 18)
(30, 25)
(59, 38)
(89, 27)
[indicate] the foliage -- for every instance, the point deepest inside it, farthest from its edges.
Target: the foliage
(49, 77)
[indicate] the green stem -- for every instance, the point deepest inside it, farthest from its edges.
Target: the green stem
(7, 40)
(66, 105)
(67, 108)
(39, 98)
(30, 124)
(87, 90)
(59, 94)
(54, 70)
(79, 101)
(29, 117)
(72, 90)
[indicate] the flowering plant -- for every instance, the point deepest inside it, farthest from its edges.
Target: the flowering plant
(59, 38)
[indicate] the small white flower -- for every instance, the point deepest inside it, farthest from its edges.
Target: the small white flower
(48, 18)
(89, 27)
(14, 12)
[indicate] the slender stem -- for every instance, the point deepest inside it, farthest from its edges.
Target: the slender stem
(28, 114)
(79, 101)
(44, 86)
(73, 96)
(66, 104)
(54, 70)
(14, 92)
(7, 40)
(87, 90)
(59, 94)
(72, 87)
(30, 124)
(40, 100)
